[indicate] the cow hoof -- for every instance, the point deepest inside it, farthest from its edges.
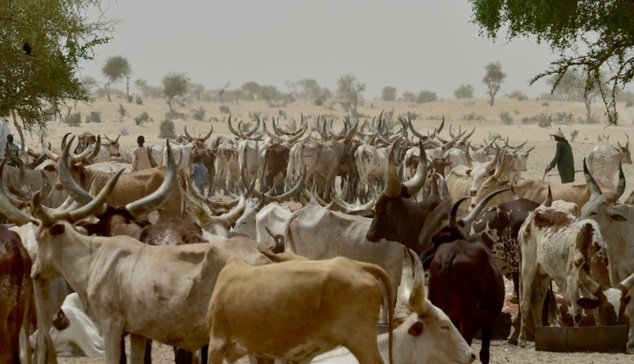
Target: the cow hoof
(512, 341)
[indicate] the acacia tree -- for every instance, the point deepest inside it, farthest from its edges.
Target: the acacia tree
(389, 93)
(174, 84)
(350, 93)
(42, 44)
(593, 36)
(116, 68)
(464, 91)
(572, 87)
(493, 79)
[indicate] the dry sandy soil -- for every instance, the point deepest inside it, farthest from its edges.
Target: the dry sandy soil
(465, 113)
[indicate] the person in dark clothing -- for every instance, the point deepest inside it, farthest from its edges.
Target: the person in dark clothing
(564, 159)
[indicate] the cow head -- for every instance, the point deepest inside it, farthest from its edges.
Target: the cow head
(427, 334)
(113, 147)
(481, 171)
(608, 303)
(601, 207)
(394, 202)
(626, 157)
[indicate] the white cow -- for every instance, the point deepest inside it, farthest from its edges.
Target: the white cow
(370, 162)
(604, 159)
(81, 337)
(318, 233)
(555, 246)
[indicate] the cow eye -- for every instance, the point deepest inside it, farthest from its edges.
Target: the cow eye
(446, 328)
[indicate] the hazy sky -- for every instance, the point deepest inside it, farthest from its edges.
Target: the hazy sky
(412, 45)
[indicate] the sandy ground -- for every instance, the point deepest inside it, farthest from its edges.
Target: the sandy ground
(457, 113)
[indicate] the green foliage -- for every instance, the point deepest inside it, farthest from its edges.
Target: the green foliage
(464, 92)
(199, 114)
(116, 68)
(389, 93)
(588, 34)
(144, 117)
(425, 97)
(506, 118)
(493, 79)
(167, 129)
(74, 119)
(174, 85)
(61, 37)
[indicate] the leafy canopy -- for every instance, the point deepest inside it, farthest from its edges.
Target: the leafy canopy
(589, 35)
(42, 75)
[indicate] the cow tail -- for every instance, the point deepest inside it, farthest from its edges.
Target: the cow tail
(380, 274)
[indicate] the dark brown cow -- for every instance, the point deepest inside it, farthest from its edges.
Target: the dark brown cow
(465, 282)
(16, 294)
(275, 163)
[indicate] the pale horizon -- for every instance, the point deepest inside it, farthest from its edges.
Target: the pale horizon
(410, 45)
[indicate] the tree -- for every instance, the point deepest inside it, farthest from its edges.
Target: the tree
(350, 93)
(389, 93)
(174, 85)
(573, 87)
(493, 79)
(426, 96)
(251, 90)
(42, 44)
(464, 92)
(409, 96)
(310, 89)
(116, 68)
(593, 36)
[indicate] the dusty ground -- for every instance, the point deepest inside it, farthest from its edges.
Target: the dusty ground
(458, 113)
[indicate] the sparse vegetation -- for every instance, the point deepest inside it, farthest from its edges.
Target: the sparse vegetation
(74, 119)
(167, 129)
(506, 118)
(518, 95)
(122, 112)
(464, 92)
(573, 135)
(473, 117)
(95, 117)
(426, 96)
(144, 117)
(199, 114)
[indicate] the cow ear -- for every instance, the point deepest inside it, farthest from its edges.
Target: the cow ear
(468, 172)
(588, 303)
(56, 229)
(416, 329)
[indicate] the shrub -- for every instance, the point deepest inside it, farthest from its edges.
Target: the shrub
(573, 135)
(473, 116)
(506, 118)
(95, 116)
(74, 119)
(139, 100)
(518, 95)
(199, 114)
(629, 103)
(225, 109)
(167, 129)
(122, 111)
(143, 118)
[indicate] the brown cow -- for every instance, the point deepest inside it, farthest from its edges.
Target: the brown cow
(16, 294)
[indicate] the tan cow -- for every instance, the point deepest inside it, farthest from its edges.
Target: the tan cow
(159, 293)
(295, 310)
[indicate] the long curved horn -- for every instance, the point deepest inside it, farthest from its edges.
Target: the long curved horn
(231, 216)
(72, 188)
(191, 138)
(11, 212)
(588, 282)
(418, 181)
(549, 198)
(231, 129)
(614, 195)
(452, 221)
(81, 157)
(481, 205)
(414, 131)
(392, 180)
(155, 199)
(594, 188)
(628, 283)
(95, 150)
(417, 302)
(204, 139)
(467, 154)
(93, 206)
(63, 140)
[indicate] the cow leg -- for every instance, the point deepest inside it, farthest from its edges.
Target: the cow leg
(137, 349)
(487, 335)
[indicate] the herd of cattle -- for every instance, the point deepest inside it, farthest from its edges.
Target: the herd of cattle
(246, 275)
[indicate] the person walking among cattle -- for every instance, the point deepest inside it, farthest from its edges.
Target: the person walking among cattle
(12, 150)
(564, 158)
(199, 174)
(140, 158)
